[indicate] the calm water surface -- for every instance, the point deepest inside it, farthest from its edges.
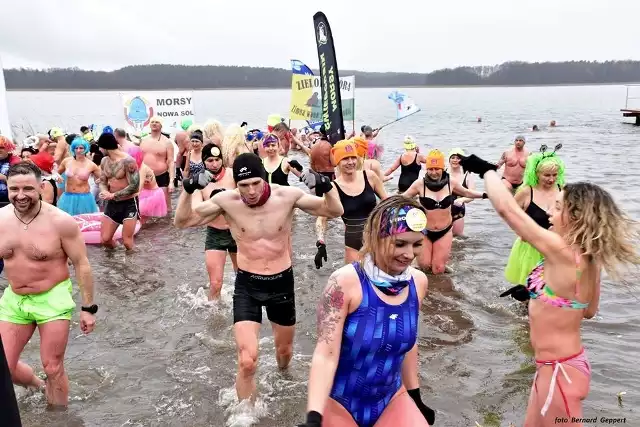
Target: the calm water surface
(162, 356)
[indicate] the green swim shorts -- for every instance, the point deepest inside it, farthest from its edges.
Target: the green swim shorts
(55, 304)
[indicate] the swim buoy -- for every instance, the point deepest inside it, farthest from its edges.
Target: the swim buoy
(90, 225)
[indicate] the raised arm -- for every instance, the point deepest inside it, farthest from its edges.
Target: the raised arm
(328, 206)
(414, 190)
(333, 309)
(133, 180)
(63, 165)
(548, 243)
(186, 215)
(393, 167)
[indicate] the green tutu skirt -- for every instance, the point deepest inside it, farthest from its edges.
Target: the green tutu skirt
(522, 260)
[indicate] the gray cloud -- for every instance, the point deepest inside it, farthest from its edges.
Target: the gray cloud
(388, 36)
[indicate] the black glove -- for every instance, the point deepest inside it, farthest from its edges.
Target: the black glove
(243, 124)
(475, 164)
(314, 419)
(428, 413)
(518, 292)
(313, 179)
(197, 182)
(296, 165)
(485, 196)
(321, 254)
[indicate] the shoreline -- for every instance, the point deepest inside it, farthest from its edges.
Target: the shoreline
(288, 88)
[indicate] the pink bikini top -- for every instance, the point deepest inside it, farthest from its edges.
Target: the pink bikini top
(82, 174)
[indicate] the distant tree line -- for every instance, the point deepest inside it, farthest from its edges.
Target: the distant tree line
(162, 76)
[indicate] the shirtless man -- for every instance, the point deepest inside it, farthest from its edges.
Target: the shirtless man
(259, 216)
(62, 148)
(514, 161)
(123, 142)
(37, 240)
(119, 186)
(320, 155)
(159, 156)
(219, 240)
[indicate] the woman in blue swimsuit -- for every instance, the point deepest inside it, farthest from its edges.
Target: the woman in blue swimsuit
(364, 371)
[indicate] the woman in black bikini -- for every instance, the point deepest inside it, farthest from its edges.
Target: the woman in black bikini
(409, 163)
(436, 194)
(358, 190)
(458, 174)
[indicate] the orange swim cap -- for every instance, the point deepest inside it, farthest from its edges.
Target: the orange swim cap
(435, 160)
(342, 150)
(362, 146)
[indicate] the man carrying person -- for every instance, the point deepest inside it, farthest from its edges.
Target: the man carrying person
(260, 216)
(37, 240)
(158, 153)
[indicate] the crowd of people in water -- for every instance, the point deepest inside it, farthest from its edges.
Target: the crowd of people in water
(236, 188)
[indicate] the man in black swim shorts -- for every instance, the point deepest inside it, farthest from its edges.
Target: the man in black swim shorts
(119, 186)
(259, 217)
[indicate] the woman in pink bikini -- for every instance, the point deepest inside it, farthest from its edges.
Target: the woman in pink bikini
(77, 198)
(588, 232)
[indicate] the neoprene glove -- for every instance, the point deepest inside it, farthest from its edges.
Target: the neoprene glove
(314, 419)
(518, 292)
(296, 165)
(475, 164)
(428, 413)
(321, 254)
(197, 182)
(313, 179)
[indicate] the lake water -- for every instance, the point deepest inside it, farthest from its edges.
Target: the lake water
(162, 356)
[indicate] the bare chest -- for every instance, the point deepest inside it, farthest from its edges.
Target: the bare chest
(114, 169)
(263, 224)
(155, 149)
(36, 242)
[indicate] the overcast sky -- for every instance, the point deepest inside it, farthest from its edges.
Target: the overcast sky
(372, 35)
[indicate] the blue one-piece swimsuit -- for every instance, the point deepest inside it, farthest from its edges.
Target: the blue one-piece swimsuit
(375, 339)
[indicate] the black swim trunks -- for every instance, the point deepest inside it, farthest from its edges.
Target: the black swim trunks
(514, 187)
(275, 292)
(120, 211)
(220, 240)
(163, 179)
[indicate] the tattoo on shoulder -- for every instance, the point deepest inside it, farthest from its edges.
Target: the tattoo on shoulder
(329, 308)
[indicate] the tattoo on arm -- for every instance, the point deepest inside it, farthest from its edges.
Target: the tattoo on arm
(329, 308)
(133, 178)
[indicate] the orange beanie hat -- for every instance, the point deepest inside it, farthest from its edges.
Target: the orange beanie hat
(435, 160)
(342, 150)
(362, 146)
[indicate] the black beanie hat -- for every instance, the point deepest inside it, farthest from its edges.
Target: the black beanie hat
(211, 150)
(107, 141)
(248, 165)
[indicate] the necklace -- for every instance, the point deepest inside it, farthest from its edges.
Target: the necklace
(26, 224)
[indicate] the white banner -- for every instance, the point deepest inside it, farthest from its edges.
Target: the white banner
(171, 107)
(5, 126)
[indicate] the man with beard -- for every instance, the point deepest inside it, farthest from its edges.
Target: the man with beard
(37, 240)
(514, 161)
(218, 240)
(119, 186)
(259, 216)
(159, 156)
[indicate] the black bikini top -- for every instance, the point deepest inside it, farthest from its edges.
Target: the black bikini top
(430, 204)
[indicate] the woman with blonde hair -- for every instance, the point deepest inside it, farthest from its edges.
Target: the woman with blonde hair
(358, 189)
(364, 370)
(213, 132)
(542, 181)
(233, 144)
(588, 233)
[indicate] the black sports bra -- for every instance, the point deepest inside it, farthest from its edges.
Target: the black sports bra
(430, 204)
(538, 214)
